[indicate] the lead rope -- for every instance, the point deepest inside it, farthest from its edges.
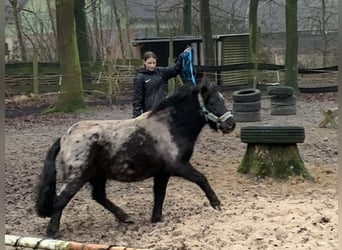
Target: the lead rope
(187, 61)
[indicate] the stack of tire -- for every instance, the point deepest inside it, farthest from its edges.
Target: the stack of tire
(282, 100)
(272, 134)
(247, 105)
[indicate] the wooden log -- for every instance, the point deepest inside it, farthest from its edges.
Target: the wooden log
(52, 244)
(279, 161)
(329, 117)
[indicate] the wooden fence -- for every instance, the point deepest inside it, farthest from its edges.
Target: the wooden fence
(109, 80)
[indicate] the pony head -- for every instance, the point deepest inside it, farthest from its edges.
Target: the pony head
(213, 107)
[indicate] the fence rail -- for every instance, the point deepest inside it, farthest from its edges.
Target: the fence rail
(51, 244)
(116, 80)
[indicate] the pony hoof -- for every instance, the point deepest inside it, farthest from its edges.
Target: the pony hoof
(156, 220)
(128, 220)
(216, 205)
(125, 219)
(218, 208)
(55, 235)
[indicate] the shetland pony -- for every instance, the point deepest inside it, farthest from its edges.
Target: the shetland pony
(157, 144)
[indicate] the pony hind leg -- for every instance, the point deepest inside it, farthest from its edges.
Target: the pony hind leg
(61, 200)
(188, 172)
(159, 190)
(99, 194)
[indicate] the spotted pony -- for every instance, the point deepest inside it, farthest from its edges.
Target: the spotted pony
(156, 144)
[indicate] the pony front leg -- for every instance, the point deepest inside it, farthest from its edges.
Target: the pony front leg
(159, 190)
(188, 172)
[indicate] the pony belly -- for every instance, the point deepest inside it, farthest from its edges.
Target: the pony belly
(128, 173)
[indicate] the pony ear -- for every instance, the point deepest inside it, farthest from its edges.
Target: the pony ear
(204, 90)
(206, 86)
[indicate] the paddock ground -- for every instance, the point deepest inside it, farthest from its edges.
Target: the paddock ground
(256, 214)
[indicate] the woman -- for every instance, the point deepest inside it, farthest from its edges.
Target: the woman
(150, 83)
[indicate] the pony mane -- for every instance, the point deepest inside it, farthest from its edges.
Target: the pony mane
(180, 96)
(184, 94)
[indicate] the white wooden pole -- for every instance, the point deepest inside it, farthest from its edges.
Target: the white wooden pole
(52, 244)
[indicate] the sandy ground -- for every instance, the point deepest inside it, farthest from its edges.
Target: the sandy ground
(256, 214)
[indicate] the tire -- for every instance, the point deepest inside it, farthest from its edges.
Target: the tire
(246, 106)
(280, 90)
(246, 95)
(283, 100)
(247, 116)
(272, 134)
(283, 110)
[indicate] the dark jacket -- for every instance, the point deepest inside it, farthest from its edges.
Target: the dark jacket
(150, 87)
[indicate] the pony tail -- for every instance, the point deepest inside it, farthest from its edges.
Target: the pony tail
(47, 182)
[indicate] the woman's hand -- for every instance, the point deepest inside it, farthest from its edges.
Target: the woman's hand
(187, 49)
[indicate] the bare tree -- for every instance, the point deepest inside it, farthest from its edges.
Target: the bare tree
(291, 53)
(208, 44)
(52, 15)
(81, 31)
(118, 27)
(253, 38)
(322, 19)
(187, 24)
(161, 10)
(16, 15)
(130, 52)
(228, 16)
(37, 33)
(96, 32)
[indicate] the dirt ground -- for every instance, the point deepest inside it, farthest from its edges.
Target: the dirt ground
(256, 213)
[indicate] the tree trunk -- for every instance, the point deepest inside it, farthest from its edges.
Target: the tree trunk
(253, 40)
(96, 36)
(279, 161)
(71, 97)
(16, 15)
(291, 53)
(208, 44)
(156, 18)
(118, 27)
(324, 33)
(82, 38)
(130, 50)
(53, 27)
(81, 31)
(187, 18)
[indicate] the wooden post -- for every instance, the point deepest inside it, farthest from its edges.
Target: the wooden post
(171, 86)
(35, 73)
(109, 82)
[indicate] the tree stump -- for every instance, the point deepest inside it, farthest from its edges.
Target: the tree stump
(278, 161)
(272, 152)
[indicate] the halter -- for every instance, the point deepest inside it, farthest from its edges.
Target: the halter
(210, 116)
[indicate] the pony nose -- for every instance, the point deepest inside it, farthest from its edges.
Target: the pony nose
(229, 125)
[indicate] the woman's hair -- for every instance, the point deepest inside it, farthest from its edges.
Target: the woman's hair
(149, 54)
